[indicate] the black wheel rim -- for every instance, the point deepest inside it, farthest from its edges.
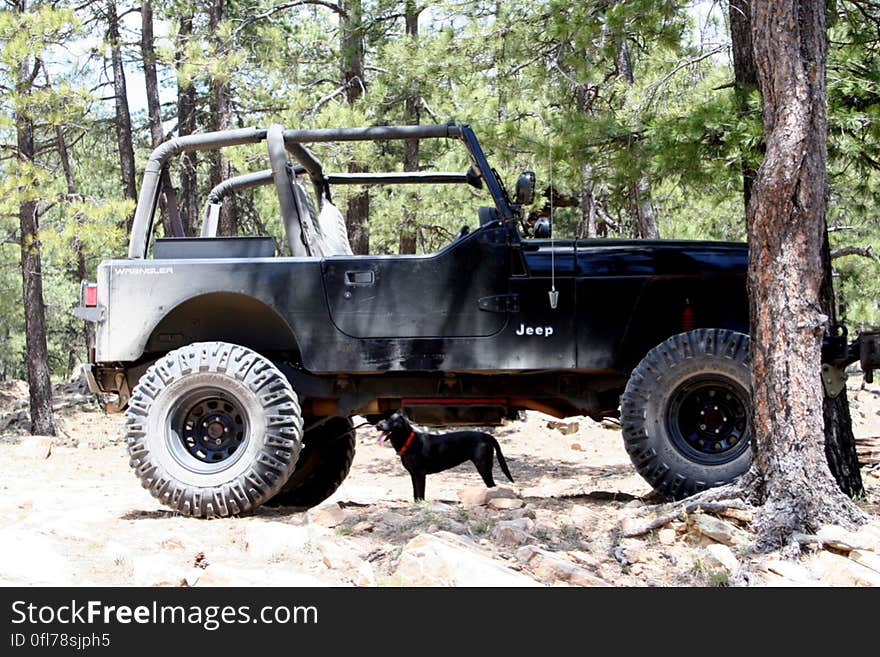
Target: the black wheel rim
(708, 421)
(207, 430)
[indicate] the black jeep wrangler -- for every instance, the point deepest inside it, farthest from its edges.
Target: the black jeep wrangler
(240, 367)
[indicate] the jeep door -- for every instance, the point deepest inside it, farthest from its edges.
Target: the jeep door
(543, 337)
(448, 294)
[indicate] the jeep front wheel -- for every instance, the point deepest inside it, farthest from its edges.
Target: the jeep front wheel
(685, 412)
(213, 429)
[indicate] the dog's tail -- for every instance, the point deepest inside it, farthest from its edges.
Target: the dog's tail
(501, 460)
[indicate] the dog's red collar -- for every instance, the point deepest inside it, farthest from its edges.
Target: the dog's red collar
(412, 434)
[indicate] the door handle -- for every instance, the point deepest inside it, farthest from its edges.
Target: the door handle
(360, 277)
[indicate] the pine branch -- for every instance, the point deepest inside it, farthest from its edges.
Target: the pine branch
(862, 251)
(285, 6)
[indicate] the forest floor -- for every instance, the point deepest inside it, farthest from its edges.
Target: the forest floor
(80, 517)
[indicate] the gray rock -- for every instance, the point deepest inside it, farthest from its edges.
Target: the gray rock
(510, 535)
(501, 492)
(392, 519)
(719, 530)
(836, 570)
(666, 536)
(842, 539)
(473, 496)
(550, 567)
(345, 562)
(504, 503)
(445, 559)
(720, 557)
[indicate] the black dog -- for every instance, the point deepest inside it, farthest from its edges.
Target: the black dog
(424, 453)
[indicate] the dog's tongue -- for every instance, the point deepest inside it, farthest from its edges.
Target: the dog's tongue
(382, 437)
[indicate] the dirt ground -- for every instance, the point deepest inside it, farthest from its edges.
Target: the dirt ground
(80, 517)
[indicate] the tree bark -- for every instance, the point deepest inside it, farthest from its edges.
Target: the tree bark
(154, 114)
(412, 104)
(641, 205)
(82, 270)
(586, 227)
(840, 448)
(221, 114)
(840, 443)
(351, 49)
(151, 79)
(37, 357)
(186, 125)
(786, 228)
(745, 77)
(124, 141)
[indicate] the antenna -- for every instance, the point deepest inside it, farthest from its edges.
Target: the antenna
(554, 294)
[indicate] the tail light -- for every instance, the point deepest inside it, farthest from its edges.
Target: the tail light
(687, 319)
(89, 294)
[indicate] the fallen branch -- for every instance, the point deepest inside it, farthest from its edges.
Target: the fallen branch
(680, 512)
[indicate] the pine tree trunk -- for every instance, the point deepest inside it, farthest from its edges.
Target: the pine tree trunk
(586, 227)
(409, 226)
(786, 227)
(745, 76)
(221, 115)
(840, 446)
(37, 356)
(151, 79)
(357, 213)
(840, 443)
(642, 212)
(154, 114)
(186, 125)
(82, 270)
(123, 117)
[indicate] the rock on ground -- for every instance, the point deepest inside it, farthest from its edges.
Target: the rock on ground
(719, 530)
(444, 559)
(328, 515)
(268, 539)
(343, 559)
(720, 557)
(840, 571)
(550, 567)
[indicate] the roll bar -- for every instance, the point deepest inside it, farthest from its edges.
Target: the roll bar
(294, 141)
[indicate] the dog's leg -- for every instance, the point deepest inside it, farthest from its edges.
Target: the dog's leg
(418, 482)
(484, 462)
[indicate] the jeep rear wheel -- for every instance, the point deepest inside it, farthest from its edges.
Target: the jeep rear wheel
(213, 429)
(323, 464)
(685, 412)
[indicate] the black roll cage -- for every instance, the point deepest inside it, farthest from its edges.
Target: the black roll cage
(156, 169)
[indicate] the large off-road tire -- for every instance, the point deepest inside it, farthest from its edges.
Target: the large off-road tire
(324, 462)
(685, 412)
(213, 429)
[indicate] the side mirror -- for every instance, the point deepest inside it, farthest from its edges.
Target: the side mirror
(525, 188)
(543, 228)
